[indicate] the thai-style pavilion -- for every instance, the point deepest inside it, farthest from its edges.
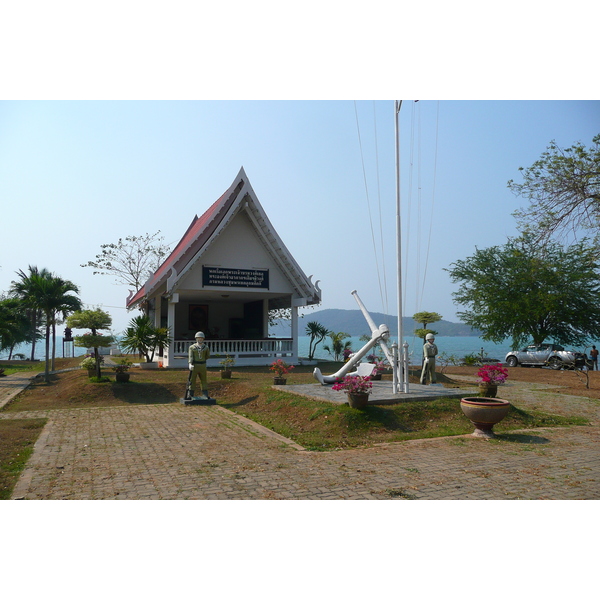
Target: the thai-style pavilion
(224, 276)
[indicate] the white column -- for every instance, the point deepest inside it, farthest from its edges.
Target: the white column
(295, 332)
(171, 325)
(265, 332)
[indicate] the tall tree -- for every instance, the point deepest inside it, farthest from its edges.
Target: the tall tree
(131, 260)
(52, 295)
(25, 289)
(526, 291)
(62, 304)
(563, 187)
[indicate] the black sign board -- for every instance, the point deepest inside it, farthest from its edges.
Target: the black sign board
(246, 278)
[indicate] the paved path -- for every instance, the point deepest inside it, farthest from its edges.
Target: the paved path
(12, 385)
(206, 452)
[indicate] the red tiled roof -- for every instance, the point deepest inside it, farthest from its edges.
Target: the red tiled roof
(194, 238)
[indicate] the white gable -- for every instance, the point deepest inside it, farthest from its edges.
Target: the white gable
(239, 246)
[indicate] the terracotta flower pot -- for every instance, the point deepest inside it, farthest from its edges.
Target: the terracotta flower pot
(484, 413)
(358, 400)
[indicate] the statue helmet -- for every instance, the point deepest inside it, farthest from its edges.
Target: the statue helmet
(199, 334)
(430, 336)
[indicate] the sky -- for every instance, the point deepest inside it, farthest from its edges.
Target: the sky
(78, 174)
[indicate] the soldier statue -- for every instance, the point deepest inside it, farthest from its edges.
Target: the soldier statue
(198, 355)
(429, 353)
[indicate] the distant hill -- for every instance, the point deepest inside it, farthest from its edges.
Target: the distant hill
(353, 322)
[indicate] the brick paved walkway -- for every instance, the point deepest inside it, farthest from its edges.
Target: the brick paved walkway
(207, 452)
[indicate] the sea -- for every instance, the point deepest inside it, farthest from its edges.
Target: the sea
(459, 346)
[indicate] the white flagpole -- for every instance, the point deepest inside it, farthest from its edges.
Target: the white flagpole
(399, 383)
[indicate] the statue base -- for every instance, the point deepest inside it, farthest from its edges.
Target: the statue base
(197, 401)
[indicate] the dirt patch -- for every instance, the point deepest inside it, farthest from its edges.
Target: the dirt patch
(74, 390)
(572, 383)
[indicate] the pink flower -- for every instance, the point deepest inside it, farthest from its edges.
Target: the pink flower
(492, 374)
(354, 384)
(280, 367)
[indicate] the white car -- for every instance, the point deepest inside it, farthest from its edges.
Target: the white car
(543, 355)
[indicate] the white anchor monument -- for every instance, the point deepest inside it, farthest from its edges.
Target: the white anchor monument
(379, 335)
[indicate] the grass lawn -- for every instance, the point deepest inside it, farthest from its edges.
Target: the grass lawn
(318, 425)
(17, 438)
(315, 425)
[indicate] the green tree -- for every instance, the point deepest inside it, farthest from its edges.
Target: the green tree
(317, 334)
(337, 346)
(25, 289)
(131, 260)
(95, 320)
(425, 318)
(15, 325)
(563, 187)
(51, 295)
(528, 292)
(143, 337)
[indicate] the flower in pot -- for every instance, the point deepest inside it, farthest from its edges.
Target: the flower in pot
(121, 368)
(484, 412)
(280, 369)
(89, 363)
(380, 366)
(227, 363)
(489, 378)
(357, 389)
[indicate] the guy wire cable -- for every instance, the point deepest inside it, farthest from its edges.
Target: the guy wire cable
(384, 299)
(367, 194)
(437, 124)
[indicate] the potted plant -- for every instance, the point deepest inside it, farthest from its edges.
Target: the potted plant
(489, 378)
(380, 367)
(89, 363)
(357, 389)
(121, 369)
(280, 368)
(227, 363)
(485, 411)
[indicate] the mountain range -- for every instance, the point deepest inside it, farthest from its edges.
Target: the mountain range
(353, 323)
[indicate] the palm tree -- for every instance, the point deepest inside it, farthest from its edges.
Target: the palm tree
(62, 305)
(317, 333)
(337, 344)
(143, 337)
(25, 291)
(45, 292)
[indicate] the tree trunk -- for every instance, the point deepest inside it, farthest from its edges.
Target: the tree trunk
(97, 357)
(53, 345)
(47, 369)
(33, 332)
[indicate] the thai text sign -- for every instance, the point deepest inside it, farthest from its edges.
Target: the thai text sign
(248, 278)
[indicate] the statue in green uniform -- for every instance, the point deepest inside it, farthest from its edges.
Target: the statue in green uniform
(197, 357)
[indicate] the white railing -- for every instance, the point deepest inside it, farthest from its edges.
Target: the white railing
(239, 349)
